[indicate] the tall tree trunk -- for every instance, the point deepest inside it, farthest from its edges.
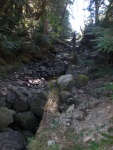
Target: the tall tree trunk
(96, 12)
(64, 13)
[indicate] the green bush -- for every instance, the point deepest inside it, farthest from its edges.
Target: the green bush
(104, 39)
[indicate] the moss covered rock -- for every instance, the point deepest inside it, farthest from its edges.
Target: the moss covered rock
(6, 117)
(81, 80)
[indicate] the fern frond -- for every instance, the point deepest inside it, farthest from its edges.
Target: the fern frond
(107, 136)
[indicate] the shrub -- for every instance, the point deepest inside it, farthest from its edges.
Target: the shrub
(104, 39)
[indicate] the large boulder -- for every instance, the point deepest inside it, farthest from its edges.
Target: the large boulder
(6, 117)
(2, 101)
(64, 96)
(37, 105)
(10, 99)
(72, 100)
(66, 82)
(81, 80)
(21, 104)
(27, 121)
(12, 140)
(60, 68)
(17, 98)
(43, 94)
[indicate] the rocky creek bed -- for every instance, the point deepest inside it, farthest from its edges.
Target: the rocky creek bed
(24, 93)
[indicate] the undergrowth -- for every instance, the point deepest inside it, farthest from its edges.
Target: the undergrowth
(109, 89)
(103, 71)
(64, 138)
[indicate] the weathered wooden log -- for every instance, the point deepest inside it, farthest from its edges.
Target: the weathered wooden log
(50, 110)
(44, 132)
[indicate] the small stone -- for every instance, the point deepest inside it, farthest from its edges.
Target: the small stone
(4, 91)
(70, 109)
(87, 139)
(20, 82)
(43, 68)
(64, 96)
(80, 91)
(50, 142)
(74, 90)
(16, 76)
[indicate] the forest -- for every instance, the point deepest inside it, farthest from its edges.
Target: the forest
(22, 27)
(56, 83)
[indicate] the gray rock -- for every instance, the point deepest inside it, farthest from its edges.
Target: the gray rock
(43, 94)
(21, 104)
(66, 82)
(27, 134)
(70, 109)
(60, 67)
(43, 68)
(2, 101)
(12, 140)
(64, 96)
(3, 91)
(63, 107)
(37, 105)
(12, 88)
(71, 101)
(20, 82)
(6, 117)
(74, 90)
(11, 97)
(26, 120)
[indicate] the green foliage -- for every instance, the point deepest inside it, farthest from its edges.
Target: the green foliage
(63, 30)
(101, 71)
(40, 39)
(86, 62)
(9, 47)
(12, 45)
(22, 26)
(104, 39)
(55, 147)
(108, 140)
(108, 87)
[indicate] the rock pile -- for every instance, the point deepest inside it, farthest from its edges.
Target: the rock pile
(26, 105)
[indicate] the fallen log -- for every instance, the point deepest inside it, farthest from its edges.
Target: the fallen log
(44, 132)
(50, 110)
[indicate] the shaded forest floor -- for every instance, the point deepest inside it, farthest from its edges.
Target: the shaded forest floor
(85, 125)
(93, 114)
